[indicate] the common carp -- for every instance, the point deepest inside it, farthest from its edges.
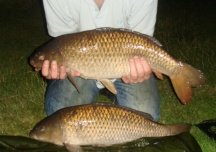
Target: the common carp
(104, 54)
(100, 124)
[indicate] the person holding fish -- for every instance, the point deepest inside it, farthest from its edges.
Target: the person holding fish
(138, 89)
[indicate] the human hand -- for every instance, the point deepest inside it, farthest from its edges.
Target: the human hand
(51, 71)
(140, 70)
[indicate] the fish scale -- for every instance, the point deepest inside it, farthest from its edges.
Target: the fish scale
(114, 125)
(111, 50)
(100, 124)
(104, 54)
(97, 128)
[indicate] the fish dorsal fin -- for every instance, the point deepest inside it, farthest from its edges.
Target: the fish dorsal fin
(144, 114)
(152, 39)
(109, 85)
(105, 29)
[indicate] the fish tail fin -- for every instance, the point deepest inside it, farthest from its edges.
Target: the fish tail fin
(179, 128)
(184, 79)
(208, 127)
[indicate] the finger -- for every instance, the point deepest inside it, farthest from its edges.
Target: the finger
(54, 70)
(140, 69)
(45, 68)
(62, 73)
(133, 71)
(125, 79)
(147, 69)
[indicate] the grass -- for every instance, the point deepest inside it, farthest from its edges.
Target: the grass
(185, 28)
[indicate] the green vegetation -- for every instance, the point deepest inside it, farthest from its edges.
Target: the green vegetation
(185, 28)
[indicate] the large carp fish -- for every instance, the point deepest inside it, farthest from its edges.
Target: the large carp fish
(101, 125)
(104, 54)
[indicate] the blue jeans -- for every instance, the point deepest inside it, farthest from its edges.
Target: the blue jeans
(140, 96)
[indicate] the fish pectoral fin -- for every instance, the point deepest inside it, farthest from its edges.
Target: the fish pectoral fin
(158, 74)
(109, 85)
(73, 148)
(71, 79)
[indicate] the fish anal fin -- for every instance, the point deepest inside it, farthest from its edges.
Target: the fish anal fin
(71, 79)
(158, 74)
(109, 85)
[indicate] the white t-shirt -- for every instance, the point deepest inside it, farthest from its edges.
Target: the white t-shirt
(69, 16)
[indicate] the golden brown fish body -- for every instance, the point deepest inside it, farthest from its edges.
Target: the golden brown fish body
(104, 54)
(100, 124)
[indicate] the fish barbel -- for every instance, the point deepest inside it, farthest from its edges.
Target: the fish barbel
(100, 124)
(104, 54)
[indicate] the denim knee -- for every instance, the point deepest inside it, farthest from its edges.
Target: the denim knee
(61, 93)
(141, 96)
